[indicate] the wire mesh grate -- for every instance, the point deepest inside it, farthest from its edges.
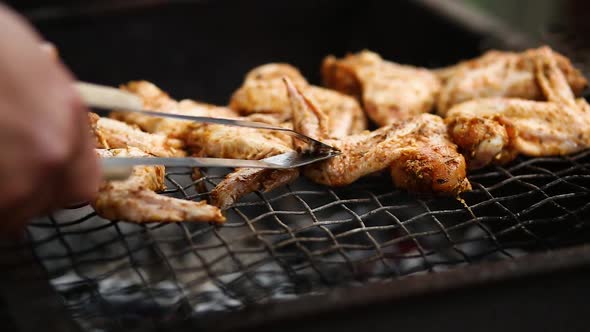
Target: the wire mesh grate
(304, 239)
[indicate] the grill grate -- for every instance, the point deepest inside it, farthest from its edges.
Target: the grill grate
(304, 239)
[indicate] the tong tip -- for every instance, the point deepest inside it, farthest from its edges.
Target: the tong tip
(317, 147)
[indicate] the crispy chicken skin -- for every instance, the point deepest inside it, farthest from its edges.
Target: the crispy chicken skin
(433, 166)
(155, 99)
(212, 140)
(345, 115)
(246, 180)
(389, 91)
(263, 91)
(500, 74)
(116, 134)
(307, 117)
(95, 133)
(418, 152)
(136, 200)
(203, 139)
(304, 114)
(232, 142)
(495, 130)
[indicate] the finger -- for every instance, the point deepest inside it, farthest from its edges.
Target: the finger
(49, 49)
(82, 174)
(81, 179)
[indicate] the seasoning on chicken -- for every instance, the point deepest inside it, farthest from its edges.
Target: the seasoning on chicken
(345, 115)
(117, 134)
(307, 117)
(204, 139)
(495, 130)
(221, 141)
(95, 133)
(263, 92)
(500, 74)
(135, 199)
(418, 152)
(247, 180)
(389, 91)
(155, 99)
(210, 140)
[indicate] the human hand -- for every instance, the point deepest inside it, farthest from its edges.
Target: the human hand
(47, 158)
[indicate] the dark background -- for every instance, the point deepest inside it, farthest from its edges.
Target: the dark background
(202, 49)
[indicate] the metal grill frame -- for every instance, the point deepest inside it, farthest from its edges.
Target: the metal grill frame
(559, 268)
(570, 172)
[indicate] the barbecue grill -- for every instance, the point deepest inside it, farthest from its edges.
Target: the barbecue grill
(367, 256)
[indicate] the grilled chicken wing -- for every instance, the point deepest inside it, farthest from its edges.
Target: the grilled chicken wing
(418, 152)
(212, 140)
(500, 74)
(203, 139)
(345, 115)
(420, 156)
(98, 137)
(116, 134)
(247, 180)
(389, 91)
(136, 200)
(263, 91)
(495, 130)
(155, 99)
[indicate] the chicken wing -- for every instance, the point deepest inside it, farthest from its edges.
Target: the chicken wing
(500, 74)
(203, 139)
(345, 115)
(263, 91)
(247, 180)
(418, 152)
(97, 136)
(136, 200)
(389, 91)
(495, 130)
(212, 140)
(420, 156)
(117, 134)
(155, 99)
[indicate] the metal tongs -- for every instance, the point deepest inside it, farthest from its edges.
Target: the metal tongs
(108, 98)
